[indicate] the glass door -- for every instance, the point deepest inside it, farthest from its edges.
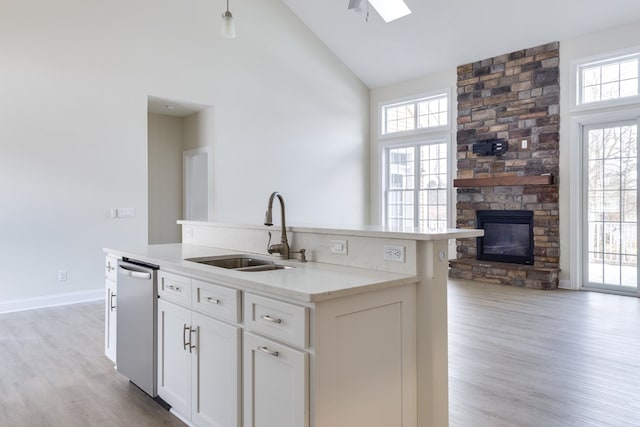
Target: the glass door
(611, 206)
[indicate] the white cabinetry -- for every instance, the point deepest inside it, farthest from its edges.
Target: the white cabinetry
(276, 378)
(174, 356)
(199, 356)
(215, 373)
(343, 362)
(110, 298)
(366, 368)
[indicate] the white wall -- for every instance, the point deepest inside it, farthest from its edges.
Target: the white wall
(74, 82)
(165, 136)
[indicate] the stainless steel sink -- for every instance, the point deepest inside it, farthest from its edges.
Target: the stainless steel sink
(240, 263)
(267, 267)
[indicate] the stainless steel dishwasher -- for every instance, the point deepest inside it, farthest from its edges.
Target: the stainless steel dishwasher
(136, 326)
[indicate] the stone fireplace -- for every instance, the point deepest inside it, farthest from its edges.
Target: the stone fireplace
(512, 98)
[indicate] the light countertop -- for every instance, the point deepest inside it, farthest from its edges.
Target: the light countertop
(307, 282)
(410, 233)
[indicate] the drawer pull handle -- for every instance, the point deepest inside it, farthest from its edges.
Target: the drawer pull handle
(175, 288)
(269, 352)
(268, 318)
(213, 300)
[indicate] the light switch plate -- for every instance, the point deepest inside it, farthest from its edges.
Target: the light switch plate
(126, 212)
(340, 247)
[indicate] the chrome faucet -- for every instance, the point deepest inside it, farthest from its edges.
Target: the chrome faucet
(281, 248)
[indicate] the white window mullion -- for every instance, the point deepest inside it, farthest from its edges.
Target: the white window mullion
(416, 187)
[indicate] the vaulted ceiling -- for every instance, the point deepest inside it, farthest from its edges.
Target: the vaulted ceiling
(441, 34)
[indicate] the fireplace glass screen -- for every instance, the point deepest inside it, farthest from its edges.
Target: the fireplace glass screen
(508, 236)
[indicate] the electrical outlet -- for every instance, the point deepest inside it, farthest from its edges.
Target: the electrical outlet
(394, 253)
(62, 275)
(340, 247)
(524, 144)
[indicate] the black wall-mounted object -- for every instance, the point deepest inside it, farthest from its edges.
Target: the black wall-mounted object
(490, 147)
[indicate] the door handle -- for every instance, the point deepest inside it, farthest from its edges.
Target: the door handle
(184, 337)
(191, 331)
(136, 274)
(269, 352)
(111, 301)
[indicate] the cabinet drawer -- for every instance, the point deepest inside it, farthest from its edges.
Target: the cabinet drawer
(215, 300)
(111, 268)
(173, 287)
(286, 322)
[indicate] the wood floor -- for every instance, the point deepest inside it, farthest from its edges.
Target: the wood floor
(53, 373)
(518, 357)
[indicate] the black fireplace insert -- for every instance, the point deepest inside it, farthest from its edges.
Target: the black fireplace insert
(508, 236)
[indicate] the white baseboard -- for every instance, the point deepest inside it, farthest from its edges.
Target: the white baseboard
(51, 300)
(180, 417)
(565, 284)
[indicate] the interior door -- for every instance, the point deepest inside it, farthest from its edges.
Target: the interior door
(196, 170)
(610, 221)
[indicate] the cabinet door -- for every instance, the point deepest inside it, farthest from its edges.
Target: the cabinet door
(215, 373)
(174, 358)
(110, 301)
(276, 391)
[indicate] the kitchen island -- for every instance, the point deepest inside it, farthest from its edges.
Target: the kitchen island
(356, 336)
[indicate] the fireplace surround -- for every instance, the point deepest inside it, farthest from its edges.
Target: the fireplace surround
(513, 97)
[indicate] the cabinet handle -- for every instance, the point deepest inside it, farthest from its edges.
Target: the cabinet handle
(184, 337)
(268, 318)
(111, 301)
(175, 288)
(191, 331)
(213, 300)
(269, 352)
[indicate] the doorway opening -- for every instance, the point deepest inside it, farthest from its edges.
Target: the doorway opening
(179, 167)
(610, 222)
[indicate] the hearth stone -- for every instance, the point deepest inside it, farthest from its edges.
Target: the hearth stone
(526, 276)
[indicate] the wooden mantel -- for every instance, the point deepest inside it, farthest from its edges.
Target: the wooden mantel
(503, 181)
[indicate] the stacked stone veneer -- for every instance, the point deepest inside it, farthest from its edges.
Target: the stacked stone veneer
(513, 97)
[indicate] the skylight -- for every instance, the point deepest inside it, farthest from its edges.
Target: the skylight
(390, 9)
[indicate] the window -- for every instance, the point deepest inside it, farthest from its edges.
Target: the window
(416, 114)
(416, 186)
(608, 80)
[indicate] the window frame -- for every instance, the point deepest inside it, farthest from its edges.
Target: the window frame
(577, 66)
(415, 99)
